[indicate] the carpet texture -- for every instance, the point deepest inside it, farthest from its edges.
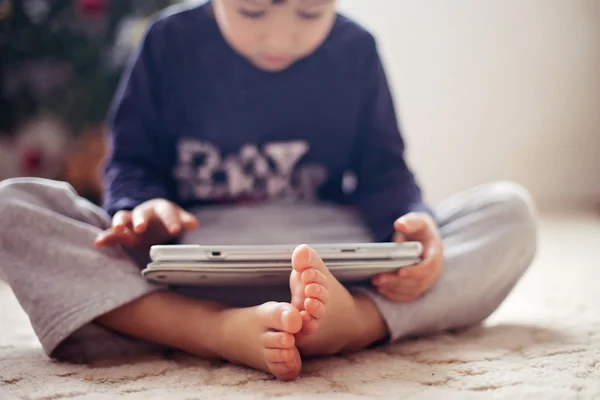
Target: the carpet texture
(543, 343)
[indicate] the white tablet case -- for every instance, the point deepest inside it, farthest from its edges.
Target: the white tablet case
(257, 274)
(328, 252)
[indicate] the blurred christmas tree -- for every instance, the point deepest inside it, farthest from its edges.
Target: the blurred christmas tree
(65, 57)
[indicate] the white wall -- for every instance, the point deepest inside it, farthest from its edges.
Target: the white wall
(497, 89)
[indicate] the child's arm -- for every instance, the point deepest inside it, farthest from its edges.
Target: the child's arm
(141, 154)
(387, 188)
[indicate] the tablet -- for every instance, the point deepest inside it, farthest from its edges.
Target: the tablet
(259, 274)
(328, 252)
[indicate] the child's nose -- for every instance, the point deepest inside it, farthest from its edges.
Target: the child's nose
(278, 39)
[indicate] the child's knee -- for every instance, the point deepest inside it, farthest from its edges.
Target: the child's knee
(17, 194)
(26, 190)
(12, 193)
(512, 200)
(509, 217)
(514, 210)
(11, 189)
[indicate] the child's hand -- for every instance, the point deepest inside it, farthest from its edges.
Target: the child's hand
(411, 282)
(153, 222)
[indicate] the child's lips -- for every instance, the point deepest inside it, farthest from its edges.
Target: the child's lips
(276, 60)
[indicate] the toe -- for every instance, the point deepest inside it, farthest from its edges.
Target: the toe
(297, 290)
(278, 340)
(281, 317)
(280, 355)
(311, 275)
(304, 257)
(286, 371)
(315, 308)
(305, 316)
(318, 292)
(309, 327)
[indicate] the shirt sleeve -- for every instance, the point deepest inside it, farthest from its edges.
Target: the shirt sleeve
(387, 188)
(141, 151)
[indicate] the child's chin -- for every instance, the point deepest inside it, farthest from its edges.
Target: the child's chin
(272, 67)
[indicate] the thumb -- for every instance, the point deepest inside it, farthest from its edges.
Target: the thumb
(410, 224)
(398, 237)
(188, 220)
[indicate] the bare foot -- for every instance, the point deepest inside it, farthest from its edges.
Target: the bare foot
(261, 337)
(334, 320)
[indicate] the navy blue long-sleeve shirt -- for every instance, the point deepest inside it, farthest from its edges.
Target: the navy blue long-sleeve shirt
(196, 123)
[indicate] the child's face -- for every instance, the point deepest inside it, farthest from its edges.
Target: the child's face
(273, 34)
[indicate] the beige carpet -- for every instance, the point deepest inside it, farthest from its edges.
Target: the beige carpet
(544, 343)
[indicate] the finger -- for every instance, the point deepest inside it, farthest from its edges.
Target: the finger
(412, 224)
(409, 289)
(121, 220)
(100, 240)
(104, 237)
(399, 237)
(388, 279)
(111, 238)
(416, 227)
(432, 247)
(420, 271)
(395, 296)
(409, 285)
(128, 238)
(141, 217)
(432, 261)
(401, 286)
(188, 220)
(168, 215)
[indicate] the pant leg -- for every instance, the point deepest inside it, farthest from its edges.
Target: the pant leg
(63, 282)
(60, 279)
(489, 236)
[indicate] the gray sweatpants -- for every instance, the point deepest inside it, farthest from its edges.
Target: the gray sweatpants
(63, 282)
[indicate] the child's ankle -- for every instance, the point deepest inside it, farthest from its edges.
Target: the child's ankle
(204, 334)
(370, 325)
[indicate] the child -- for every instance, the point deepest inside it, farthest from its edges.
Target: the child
(262, 121)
